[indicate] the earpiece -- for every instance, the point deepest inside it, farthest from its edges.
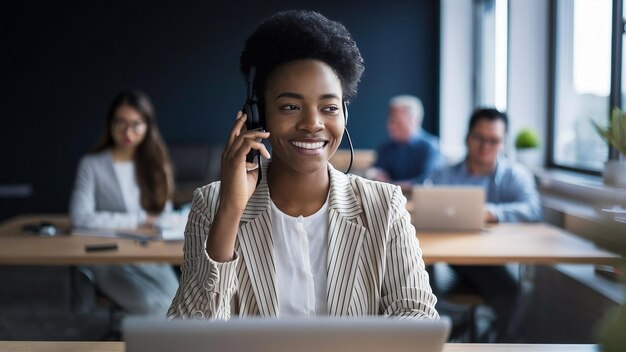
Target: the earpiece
(254, 119)
(251, 106)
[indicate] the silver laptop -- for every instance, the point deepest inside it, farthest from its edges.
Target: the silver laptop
(448, 208)
(367, 334)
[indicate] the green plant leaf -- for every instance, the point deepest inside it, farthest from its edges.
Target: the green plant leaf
(615, 132)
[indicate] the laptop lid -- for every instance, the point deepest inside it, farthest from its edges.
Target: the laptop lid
(367, 334)
(448, 208)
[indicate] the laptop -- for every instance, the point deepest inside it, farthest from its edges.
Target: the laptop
(448, 208)
(364, 334)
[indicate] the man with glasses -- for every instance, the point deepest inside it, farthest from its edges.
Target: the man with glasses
(511, 197)
(510, 189)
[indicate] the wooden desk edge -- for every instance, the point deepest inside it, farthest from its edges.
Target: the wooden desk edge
(613, 261)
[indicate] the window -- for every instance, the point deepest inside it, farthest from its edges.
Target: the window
(474, 70)
(491, 18)
(582, 82)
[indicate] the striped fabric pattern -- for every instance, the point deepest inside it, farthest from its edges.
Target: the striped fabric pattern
(375, 265)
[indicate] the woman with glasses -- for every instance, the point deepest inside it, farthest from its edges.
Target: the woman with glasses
(127, 182)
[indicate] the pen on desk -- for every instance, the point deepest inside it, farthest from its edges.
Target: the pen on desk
(101, 247)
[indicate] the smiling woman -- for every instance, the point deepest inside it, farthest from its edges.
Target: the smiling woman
(307, 240)
(306, 126)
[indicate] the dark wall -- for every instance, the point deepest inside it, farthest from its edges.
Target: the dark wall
(62, 62)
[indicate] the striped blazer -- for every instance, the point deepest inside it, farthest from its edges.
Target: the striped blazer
(374, 266)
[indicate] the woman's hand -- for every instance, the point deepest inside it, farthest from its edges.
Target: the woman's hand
(239, 177)
(237, 186)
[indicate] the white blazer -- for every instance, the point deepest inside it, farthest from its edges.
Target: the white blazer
(374, 266)
(97, 200)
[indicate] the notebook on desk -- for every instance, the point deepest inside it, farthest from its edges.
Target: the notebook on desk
(448, 208)
(367, 334)
(172, 226)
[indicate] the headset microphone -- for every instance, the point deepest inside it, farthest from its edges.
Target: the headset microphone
(345, 130)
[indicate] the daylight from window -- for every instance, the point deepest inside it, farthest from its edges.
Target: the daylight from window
(583, 82)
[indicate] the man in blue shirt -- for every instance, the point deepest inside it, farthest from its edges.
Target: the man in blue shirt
(411, 154)
(511, 197)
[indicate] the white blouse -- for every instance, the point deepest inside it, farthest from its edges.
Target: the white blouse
(300, 256)
(125, 172)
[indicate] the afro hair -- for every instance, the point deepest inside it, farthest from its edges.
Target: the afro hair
(298, 34)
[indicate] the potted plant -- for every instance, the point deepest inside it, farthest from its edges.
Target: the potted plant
(527, 148)
(615, 135)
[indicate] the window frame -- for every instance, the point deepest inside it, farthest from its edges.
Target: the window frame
(617, 31)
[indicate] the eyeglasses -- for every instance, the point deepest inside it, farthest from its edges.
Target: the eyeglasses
(491, 142)
(138, 127)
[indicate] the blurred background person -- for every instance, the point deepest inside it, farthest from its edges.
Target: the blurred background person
(127, 182)
(511, 196)
(510, 189)
(411, 153)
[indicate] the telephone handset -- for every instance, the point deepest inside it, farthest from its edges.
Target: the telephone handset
(254, 119)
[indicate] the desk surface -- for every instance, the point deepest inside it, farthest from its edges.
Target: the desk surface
(41, 346)
(506, 243)
(21, 248)
(500, 244)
